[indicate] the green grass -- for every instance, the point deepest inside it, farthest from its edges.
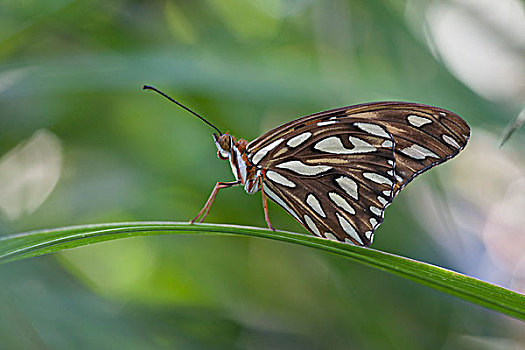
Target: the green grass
(35, 243)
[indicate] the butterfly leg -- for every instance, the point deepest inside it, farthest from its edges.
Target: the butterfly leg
(265, 207)
(210, 200)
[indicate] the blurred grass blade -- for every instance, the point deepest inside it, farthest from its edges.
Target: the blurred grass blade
(30, 244)
(513, 127)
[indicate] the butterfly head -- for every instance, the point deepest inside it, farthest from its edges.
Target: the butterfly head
(224, 145)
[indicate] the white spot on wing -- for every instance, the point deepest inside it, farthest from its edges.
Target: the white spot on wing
(387, 193)
(331, 145)
(279, 201)
(450, 141)
(348, 228)
(313, 202)
(260, 154)
(331, 236)
(349, 241)
(278, 178)
(373, 222)
(299, 139)
(361, 146)
(368, 235)
(303, 169)
(418, 121)
(418, 152)
(373, 129)
(387, 144)
(380, 179)
(348, 185)
(330, 122)
(341, 202)
(334, 145)
(375, 210)
(382, 200)
(311, 225)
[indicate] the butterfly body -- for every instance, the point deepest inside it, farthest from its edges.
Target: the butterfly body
(337, 171)
(234, 151)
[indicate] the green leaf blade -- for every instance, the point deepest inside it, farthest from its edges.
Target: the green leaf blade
(35, 243)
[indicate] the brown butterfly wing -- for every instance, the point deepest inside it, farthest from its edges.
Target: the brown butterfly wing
(336, 171)
(341, 197)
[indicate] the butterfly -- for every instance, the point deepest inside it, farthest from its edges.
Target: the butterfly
(337, 171)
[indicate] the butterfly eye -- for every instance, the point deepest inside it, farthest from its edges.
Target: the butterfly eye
(225, 142)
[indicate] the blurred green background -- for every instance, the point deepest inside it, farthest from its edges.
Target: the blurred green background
(80, 142)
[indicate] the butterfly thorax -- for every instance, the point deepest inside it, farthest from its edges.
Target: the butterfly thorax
(235, 151)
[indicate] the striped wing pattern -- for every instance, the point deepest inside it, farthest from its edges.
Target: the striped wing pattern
(337, 171)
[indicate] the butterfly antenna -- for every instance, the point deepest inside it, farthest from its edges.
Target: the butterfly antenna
(147, 87)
